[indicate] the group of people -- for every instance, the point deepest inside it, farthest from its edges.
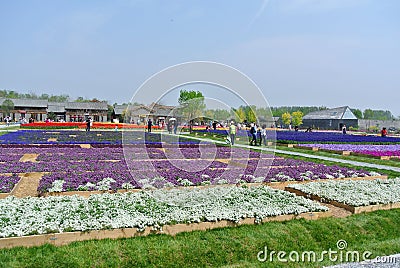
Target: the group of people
(258, 134)
(171, 126)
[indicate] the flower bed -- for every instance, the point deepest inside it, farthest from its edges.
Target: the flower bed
(92, 137)
(110, 168)
(370, 149)
(7, 183)
(317, 137)
(353, 193)
(28, 216)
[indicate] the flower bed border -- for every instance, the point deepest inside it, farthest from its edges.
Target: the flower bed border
(276, 185)
(59, 239)
(346, 153)
(352, 209)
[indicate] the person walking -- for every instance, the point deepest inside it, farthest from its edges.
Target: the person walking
(264, 135)
(253, 132)
(88, 123)
(149, 125)
(232, 133)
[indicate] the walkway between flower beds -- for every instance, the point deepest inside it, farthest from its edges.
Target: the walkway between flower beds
(344, 161)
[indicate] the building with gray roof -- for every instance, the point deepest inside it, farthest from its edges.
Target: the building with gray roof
(334, 118)
(38, 110)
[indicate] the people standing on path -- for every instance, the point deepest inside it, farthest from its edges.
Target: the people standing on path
(232, 133)
(344, 131)
(149, 125)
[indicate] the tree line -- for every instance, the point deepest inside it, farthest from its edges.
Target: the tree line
(11, 94)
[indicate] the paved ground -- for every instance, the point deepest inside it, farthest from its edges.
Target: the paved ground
(11, 125)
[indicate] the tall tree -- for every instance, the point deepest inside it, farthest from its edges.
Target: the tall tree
(368, 114)
(7, 106)
(297, 118)
(286, 118)
(192, 104)
(240, 115)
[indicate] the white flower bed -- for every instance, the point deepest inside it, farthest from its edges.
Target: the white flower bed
(355, 193)
(33, 215)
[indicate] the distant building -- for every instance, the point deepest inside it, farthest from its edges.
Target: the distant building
(66, 111)
(331, 119)
(139, 114)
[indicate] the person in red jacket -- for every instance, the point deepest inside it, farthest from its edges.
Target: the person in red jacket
(384, 132)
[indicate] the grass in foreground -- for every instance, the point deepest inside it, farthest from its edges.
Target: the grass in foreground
(376, 232)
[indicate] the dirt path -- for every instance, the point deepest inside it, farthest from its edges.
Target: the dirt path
(28, 185)
(29, 158)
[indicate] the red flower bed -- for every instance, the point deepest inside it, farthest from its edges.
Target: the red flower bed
(95, 125)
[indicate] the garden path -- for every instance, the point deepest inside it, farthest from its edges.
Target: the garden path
(28, 184)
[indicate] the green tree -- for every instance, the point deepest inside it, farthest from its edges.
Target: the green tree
(286, 118)
(240, 115)
(52, 116)
(251, 115)
(192, 105)
(297, 118)
(7, 106)
(357, 113)
(368, 114)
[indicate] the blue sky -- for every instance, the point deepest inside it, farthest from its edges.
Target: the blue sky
(299, 52)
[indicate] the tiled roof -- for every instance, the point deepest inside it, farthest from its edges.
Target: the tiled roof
(27, 103)
(56, 107)
(119, 109)
(86, 106)
(335, 113)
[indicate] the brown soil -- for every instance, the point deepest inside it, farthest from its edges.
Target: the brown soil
(28, 185)
(29, 158)
(337, 212)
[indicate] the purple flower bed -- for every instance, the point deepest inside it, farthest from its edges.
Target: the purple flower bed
(370, 149)
(316, 136)
(7, 183)
(112, 168)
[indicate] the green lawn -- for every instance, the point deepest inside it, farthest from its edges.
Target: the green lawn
(376, 232)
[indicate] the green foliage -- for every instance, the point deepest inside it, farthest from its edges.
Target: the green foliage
(192, 104)
(240, 115)
(357, 113)
(15, 95)
(250, 112)
(297, 118)
(7, 106)
(217, 114)
(374, 129)
(52, 116)
(286, 118)
(353, 128)
(377, 114)
(278, 111)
